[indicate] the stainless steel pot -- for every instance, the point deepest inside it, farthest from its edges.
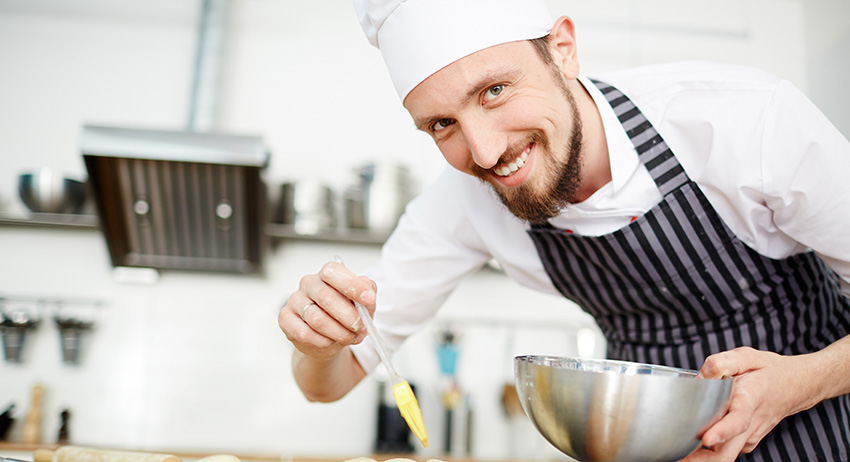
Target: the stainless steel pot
(378, 199)
(308, 205)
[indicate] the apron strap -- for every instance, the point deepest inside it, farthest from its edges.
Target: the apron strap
(652, 150)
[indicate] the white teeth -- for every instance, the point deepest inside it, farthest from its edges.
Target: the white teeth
(513, 166)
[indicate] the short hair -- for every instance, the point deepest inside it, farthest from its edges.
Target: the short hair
(541, 44)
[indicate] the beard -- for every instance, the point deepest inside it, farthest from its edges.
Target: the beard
(558, 178)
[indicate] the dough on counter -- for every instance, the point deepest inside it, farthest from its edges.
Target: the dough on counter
(220, 458)
(397, 459)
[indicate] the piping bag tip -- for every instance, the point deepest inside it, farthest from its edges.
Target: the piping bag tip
(409, 408)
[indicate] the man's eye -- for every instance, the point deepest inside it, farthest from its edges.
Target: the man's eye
(441, 124)
(493, 92)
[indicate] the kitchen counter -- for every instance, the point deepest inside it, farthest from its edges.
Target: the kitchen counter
(24, 452)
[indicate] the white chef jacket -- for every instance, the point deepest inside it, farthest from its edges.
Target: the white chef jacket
(773, 167)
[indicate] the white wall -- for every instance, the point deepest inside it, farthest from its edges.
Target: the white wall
(196, 361)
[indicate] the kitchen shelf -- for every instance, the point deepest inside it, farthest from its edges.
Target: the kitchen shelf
(48, 220)
(348, 235)
(273, 230)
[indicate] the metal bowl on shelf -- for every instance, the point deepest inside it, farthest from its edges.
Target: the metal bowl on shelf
(616, 411)
(45, 191)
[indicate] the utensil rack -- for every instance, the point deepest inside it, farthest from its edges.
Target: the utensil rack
(22, 314)
(50, 303)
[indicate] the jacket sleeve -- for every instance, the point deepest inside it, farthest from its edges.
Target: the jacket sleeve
(805, 165)
(433, 248)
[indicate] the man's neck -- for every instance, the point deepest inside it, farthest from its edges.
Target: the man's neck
(596, 165)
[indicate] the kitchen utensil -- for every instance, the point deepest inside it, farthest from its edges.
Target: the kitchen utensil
(392, 434)
(64, 422)
(354, 210)
(13, 329)
(70, 337)
(510, 401)
(6, 421)
(9, 459)
(83, 454)
(616, 411)
(378, 199)
(307, 204)
(45, 191)
(31, 432)
(403, 394)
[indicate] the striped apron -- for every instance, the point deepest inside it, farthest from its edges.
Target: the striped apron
(676, 285)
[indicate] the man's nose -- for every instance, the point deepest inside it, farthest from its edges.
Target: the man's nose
(486, 143)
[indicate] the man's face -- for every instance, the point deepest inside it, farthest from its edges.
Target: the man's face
(506, 117)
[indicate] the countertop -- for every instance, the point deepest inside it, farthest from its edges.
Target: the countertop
(24, 452)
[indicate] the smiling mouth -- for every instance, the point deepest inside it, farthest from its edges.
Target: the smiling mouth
(508, 169)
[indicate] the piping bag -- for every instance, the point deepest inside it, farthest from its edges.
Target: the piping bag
(403, 394)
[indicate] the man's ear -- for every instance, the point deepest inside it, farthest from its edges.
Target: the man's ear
(562, 43)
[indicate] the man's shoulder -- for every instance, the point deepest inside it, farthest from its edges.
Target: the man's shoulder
(689, 75)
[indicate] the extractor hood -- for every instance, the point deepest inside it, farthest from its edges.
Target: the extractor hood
(178, 200)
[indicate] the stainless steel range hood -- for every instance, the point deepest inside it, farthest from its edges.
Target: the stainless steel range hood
(178, 200)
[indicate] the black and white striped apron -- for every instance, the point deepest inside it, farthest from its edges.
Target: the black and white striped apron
(676, 285)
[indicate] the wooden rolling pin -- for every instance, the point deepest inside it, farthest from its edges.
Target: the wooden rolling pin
(81, 454)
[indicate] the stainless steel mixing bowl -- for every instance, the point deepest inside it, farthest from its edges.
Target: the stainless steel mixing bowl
(45, 191)
(616, 411)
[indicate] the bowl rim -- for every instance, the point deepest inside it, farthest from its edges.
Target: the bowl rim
(606, 366)
(33, 174)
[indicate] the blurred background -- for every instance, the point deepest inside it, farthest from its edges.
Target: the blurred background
(192, 359)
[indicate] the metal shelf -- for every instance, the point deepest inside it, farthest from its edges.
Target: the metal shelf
(272, 230)
(48, 220)
(348, 235)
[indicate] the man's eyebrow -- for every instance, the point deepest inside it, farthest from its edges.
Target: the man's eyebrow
(485, 81)
(425, 124)
(489, 79)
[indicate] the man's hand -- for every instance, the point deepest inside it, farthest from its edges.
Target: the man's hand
(321, 321)
(768, 387)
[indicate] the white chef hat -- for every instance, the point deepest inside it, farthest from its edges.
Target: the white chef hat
(419, 37)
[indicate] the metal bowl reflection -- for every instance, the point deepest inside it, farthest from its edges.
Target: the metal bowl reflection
(45, 191)
(612, 411)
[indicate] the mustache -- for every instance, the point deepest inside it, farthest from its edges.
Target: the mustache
(512, 152)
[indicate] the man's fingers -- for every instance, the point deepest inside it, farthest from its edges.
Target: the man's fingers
(727, 364)
(330, 290)
(721, 452)
(736, 422)
(326, 324)
(354, 287)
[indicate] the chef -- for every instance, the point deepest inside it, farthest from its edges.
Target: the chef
(698, 211)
